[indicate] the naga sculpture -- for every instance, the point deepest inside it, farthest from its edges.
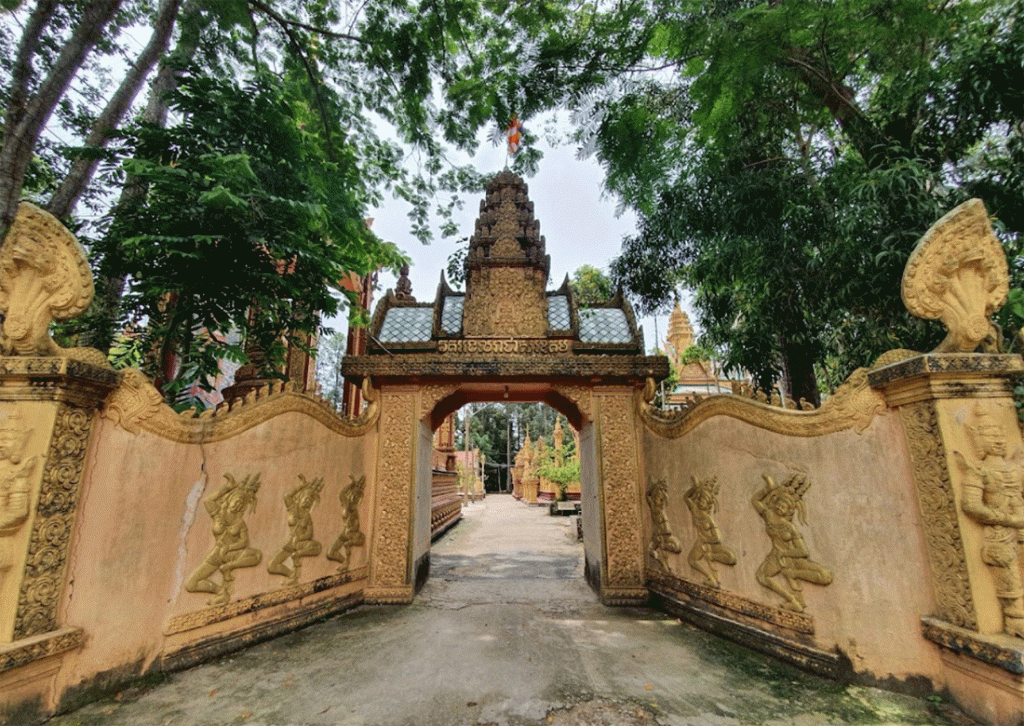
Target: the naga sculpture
(351, 536)
(44, 276)
(227, 508)
(662, 539)
(958, 274)
(702, 501)
(789, 556)
(299, 502)
(992, 497)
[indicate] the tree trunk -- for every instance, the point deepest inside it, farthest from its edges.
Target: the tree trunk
(798, 361)
(110, 276)
(66, 196)
(20, 139)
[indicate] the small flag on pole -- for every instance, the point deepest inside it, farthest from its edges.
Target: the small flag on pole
(515, 136)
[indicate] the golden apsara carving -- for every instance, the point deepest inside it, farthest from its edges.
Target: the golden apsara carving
(299, 502)
(958, 274)
(505, 302)
(789, 556)
(662, 539)
(231, 551)
(992, 496)
(702, 501)
(351, 535)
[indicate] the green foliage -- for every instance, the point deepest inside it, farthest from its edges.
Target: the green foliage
(568, 473)
(249, 222)
(591, 285)
(787, 157)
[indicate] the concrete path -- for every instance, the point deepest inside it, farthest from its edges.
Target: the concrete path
(506, 632)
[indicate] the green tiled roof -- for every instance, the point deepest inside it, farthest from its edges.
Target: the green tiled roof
(407, 325)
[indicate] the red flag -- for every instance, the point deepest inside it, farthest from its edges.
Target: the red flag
(515, 136)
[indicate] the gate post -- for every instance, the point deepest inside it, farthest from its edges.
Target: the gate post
(618, 467)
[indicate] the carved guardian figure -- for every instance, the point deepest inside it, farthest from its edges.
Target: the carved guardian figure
(299, 502)
(702, 501)
(15, 474)
(789, 556)
(227, 508)
(351, 536)
(662, 539)
(992, 497)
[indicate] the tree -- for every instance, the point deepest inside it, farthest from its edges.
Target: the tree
(787, 156)
(591, 285)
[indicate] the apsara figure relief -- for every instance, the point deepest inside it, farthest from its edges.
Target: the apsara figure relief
(992, 497)
(662, 539)
(702, 501)
(227, 508)
(789, 556)
(15, 473)
(341, 550)
(299, 502)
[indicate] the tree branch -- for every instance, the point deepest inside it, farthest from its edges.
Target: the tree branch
(283, 21)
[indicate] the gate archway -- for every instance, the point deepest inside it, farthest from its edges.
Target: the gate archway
(507, 338)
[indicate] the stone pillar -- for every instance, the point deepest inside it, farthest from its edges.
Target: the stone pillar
(966, 455)
(390, 568)
(618, 452)
(47, 408)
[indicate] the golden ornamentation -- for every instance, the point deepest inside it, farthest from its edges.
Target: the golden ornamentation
(662, 539)
(853, 405)
(581, 396)
(136, 405)
(351, 536)
(299, 502)
(227, 508)
(620, 484)
(44, 276)
(390, 572)
(954, 601)
(209, 616)
(430, 395)
(15, 474)
(702, 501)
(957, 273)
(992, 497)
(799, 622)
(789, 556)
(505, 302)
(43, 577)
(28, 650)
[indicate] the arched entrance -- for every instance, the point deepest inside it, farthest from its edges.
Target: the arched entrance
(507, 338)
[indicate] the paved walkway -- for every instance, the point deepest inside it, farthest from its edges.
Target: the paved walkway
(505, 633)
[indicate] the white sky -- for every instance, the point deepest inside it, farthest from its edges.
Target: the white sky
(578, 224)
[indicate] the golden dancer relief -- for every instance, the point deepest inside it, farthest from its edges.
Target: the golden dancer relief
(702, 501)
(227, 508)
(662, 539)
(992, 497)
(299, 502)
(789, 556)
(351, 536)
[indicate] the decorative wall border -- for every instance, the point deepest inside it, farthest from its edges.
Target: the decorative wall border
(991, 649)
(853, 406)
(797, 622)
(43, 579)
(136, 405)
(37, 647)
(208, 616)
(939, 511)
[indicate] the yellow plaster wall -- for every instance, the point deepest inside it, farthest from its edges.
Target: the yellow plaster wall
(142, 530)
(863, 524)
